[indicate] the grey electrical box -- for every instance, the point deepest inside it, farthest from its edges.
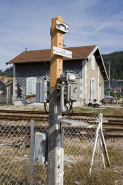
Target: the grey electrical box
(41, 146)
(71, 92)
(42, 91)
(68, 76)
(68, 90)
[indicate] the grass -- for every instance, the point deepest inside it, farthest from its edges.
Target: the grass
(79, 172)
(15, 169)
(105, 111)
(116, 156)
(2, 105)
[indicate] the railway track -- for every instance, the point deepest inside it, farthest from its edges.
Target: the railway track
(112, 125)
(20, 112)
(13, 131)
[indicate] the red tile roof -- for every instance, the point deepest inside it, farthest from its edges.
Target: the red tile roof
(44, 55)
(1, 78)
(8, 78)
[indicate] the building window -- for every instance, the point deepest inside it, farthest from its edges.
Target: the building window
(30, 86)
(93, 62)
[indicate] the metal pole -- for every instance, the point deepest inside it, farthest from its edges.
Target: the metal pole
(55, 134)
(113, 87)
(31, 151)
(109, 79)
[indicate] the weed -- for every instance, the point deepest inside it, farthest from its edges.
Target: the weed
(79, 172)
(116, 156)
(105, 111)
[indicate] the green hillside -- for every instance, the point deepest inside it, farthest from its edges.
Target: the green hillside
(116, 61)
(9, 72)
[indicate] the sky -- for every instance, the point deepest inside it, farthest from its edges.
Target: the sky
(26, 24)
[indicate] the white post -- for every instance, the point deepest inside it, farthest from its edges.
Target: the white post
(102, 144)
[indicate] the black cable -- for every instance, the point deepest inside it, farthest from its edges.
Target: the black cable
(45, 108)
(71, 108)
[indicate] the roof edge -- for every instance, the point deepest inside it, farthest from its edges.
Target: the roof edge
(90, 55)
(103, 65)
(93, 51)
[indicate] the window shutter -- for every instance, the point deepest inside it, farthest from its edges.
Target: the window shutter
(93, 62)
(31, 86)
(92, 89)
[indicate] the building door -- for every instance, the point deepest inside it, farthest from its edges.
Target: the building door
(100, 94)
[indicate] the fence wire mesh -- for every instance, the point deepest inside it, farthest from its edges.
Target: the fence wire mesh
(5, 100)
(79, 142)
(16, 161)
(15, 150)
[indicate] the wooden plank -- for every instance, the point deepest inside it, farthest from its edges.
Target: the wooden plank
(56, 63)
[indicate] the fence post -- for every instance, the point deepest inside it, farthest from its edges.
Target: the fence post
(31, 151)
(55, 135)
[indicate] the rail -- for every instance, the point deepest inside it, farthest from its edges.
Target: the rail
(44, 113)
(113, 128)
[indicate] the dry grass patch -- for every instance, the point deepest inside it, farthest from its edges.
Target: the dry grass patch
(104, 111)
(79, 173)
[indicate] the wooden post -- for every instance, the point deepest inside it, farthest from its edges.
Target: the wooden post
(55, 134)
(56, 63)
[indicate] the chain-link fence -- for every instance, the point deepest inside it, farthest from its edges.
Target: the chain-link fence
(5, 100)
(79, 146)
(17, 165)
(16, 162)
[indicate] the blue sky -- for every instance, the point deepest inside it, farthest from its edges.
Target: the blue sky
(26, 24)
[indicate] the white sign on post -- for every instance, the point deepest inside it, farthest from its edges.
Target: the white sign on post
(62, 52)
(62, 26)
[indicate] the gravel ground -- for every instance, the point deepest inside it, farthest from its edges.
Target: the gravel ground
(22, 107)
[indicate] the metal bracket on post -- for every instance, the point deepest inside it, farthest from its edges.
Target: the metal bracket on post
(73, 122)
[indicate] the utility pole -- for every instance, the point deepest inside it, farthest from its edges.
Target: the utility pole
(55, 134)
(113, 87)
(109, 77)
